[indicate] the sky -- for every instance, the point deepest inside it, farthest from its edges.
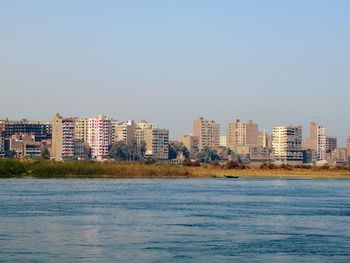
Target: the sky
(275, 62)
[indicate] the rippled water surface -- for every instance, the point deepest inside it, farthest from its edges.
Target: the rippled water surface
(208, 220)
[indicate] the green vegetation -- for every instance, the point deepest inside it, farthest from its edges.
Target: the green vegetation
(122, 151)
(127, 169)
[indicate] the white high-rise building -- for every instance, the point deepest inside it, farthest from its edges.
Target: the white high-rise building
(287, 144)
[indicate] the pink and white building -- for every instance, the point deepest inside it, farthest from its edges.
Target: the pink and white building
(99, 136)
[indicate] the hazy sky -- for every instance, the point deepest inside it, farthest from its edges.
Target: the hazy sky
(275, 62)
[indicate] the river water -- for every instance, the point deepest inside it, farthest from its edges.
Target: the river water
(184, 220)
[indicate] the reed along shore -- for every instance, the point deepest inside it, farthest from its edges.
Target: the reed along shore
(10, 168)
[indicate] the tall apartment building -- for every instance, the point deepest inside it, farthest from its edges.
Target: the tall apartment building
(63, 138)
(157, 143)
(140, 129)
(331, 144)
(2, 145)
(41, 130)
(156, 139)
(124, 131)
(191, 143)
(287, 144)
(207, 132)
(99, 136)
(316, 140)
(81, 129)
(240, 134)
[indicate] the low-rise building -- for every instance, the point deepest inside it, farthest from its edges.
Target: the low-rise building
(259, 154)
(338, 156)
(24, 145)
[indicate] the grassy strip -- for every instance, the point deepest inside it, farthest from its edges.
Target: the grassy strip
(79, 169)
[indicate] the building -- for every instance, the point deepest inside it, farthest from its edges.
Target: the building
(81, 129)
(223, 141)
(287, 144)
(191, 143)
(331, 144)
(2, 145)
(259, 154)
(339, 156)
(348, 145)
(263, 139)
(24, 145)
(156, 140)
(63, 138)
(240, 134)
(124, 131)
(41, 130)
(316, 140)
(99, 136)
(157, 143)
(207, 132)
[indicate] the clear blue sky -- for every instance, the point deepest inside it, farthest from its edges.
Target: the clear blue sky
(276, 62)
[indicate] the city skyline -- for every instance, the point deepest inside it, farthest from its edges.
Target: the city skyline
(275, 62)
(223, 127)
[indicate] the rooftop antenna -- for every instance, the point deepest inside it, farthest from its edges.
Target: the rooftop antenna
(317, 118)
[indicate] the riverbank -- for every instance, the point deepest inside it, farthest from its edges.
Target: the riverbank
(78, 169)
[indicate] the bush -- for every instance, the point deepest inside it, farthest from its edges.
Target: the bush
(10, 167)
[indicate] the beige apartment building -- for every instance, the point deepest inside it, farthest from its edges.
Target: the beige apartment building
(207, 132)
(156, 139)
(240, 134)
(191, 143)
(124, 131)
(62, 138)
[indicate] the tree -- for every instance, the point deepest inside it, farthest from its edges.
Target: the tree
(45, 154)
(176, 149)
(207, 155)
(122, 151)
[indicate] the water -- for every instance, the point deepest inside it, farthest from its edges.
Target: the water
(208, 220)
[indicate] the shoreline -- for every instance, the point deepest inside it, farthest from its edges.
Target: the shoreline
(11, 168)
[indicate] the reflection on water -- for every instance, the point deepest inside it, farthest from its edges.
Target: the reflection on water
(211, 220)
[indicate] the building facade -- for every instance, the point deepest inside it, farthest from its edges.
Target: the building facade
(207, 132)
(331, 144)
(191, 143)
(99, 136)
(63, 138)
(2, 145)
(317, 140)
(240, 134)
(124, 131)
(223, 141)
(157, 143)
(287, 144)
(41, 130)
